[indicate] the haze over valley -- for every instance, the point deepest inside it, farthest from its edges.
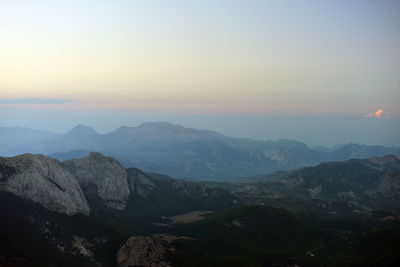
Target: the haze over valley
(199, 133)
(182, 152)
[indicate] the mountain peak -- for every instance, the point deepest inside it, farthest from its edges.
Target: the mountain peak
(122, 129)
(99, 157)
(147, 126)
(95, 155)
(81, 130)
(103, 177)
(157, 124)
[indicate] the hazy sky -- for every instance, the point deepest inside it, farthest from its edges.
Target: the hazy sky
(307, 70)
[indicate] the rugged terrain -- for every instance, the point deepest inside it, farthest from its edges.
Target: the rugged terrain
(359, 184)
(184, 152)
(42, 180)
(91, 211)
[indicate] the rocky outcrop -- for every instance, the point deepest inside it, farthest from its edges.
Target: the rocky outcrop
(101, 178)
(42, 180)
(80, 184)
(139, 183)
(143, 251)
(389, 186)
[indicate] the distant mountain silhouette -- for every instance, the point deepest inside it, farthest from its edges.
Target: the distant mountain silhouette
(81, 131)
(11, 137)
(190, 153)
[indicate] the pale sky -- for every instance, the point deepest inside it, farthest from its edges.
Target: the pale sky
(192, 59)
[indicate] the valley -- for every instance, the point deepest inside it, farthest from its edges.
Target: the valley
(257, 133)
(333, 214)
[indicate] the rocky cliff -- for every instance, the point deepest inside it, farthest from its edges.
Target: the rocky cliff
(142, 251)
(102, 178)
(139, 183)
(42, 180)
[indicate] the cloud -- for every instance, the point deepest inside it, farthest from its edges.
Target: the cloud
(34, 101)
(376, 114)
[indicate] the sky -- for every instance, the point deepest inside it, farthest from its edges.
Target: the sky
(322, 72)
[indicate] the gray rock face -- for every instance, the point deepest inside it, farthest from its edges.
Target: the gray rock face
(139, 183)
(43, 180)
(142, 251)
(101, 177)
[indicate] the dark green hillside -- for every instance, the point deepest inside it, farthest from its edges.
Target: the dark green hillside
(267, 236)
(364, 185)
(165, 200)
(34, 236)
(334, 214)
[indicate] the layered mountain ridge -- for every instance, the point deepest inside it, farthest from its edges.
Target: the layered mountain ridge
(43, 180)
(91, 211)
(78, 185)
(358, 184)
(190, 153)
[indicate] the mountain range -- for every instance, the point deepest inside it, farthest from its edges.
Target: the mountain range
(91, 211)
(355, 185)
(182, 152)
